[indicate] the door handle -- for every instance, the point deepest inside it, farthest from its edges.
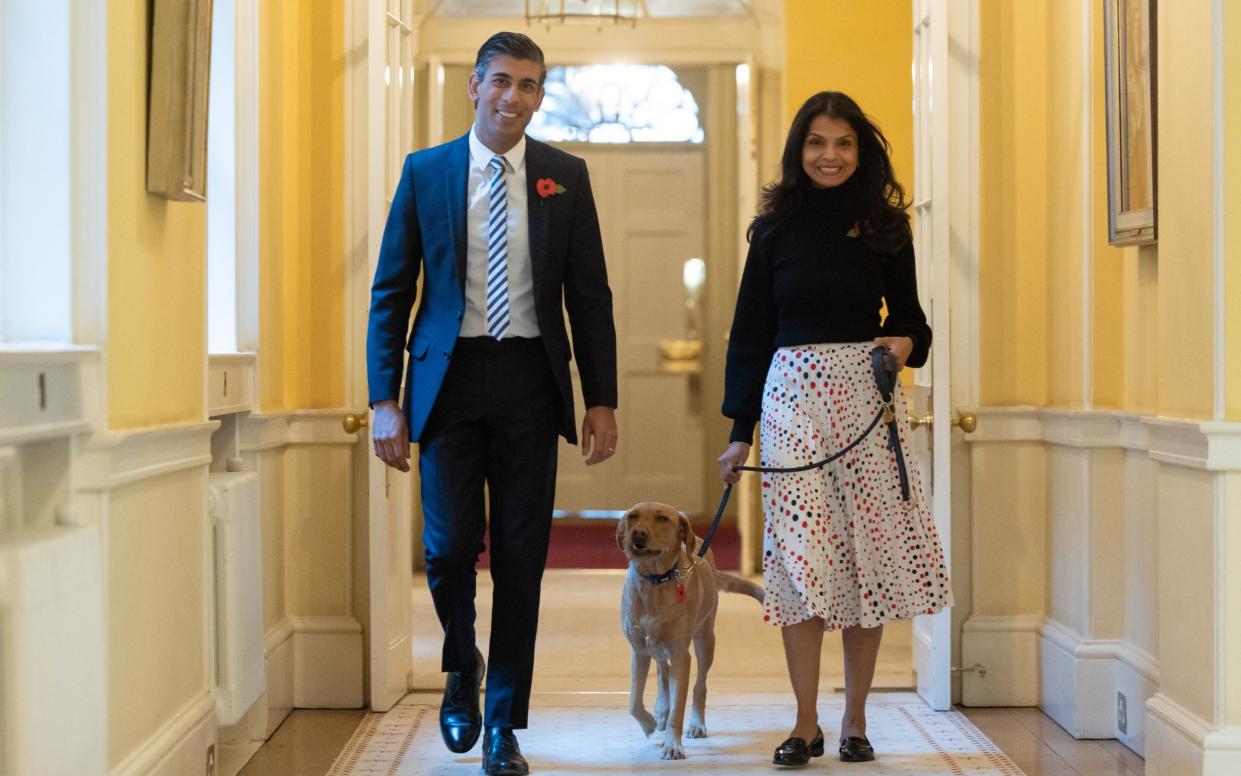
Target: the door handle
(351, 423)
(966, 421)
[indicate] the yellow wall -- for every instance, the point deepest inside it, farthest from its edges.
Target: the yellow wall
(156, 255)
(1232, 208)
(301, 341)
(157, 248)
(1124, 321)
(1186, 105)
(1144, 329)
(1013, 219)
(862, 49)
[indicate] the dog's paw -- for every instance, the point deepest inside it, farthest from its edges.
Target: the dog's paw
(696, 730)
(670, 748)
(647, 722)
(661, 718)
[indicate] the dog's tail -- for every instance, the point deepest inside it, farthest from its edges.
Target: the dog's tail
(730, 584)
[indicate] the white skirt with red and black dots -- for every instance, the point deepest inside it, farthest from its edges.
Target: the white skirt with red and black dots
(840, 543)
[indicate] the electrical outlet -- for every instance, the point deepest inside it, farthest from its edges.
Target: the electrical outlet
(1122, 712)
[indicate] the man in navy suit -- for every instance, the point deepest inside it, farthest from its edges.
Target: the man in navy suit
(502, 228)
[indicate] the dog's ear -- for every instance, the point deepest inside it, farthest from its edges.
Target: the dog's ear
(620, 531)
(687, 533)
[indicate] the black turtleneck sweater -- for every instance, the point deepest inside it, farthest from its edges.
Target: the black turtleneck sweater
(811, 279)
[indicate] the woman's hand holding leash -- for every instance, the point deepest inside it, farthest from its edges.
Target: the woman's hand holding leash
(901, 347)
(734, 456)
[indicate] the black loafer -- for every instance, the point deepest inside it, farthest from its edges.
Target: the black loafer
(501, 755)
(796, 752)
(460, 718)
(856, 749)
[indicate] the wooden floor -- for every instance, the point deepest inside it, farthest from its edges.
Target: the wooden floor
(580, 608)
(1040, 747)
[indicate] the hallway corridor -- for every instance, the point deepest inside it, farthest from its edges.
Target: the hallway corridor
(583, 662)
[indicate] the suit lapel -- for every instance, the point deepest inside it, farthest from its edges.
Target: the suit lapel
(458, 171)
(537, 210)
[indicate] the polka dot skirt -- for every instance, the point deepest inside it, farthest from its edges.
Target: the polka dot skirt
(839, 541)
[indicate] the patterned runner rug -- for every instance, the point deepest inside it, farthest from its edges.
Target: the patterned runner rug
(910, 740)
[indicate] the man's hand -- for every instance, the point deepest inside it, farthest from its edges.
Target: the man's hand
(599, 434)
(390, 435)
(901, 347)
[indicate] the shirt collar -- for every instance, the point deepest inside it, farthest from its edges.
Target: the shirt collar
(480, 155)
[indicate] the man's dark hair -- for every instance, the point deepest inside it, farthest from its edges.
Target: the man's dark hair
(512, 44)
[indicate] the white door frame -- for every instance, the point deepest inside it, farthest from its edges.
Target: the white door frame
(384, 503)
(946, 86)
(962, 269)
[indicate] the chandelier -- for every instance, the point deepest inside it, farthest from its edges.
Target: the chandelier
(597, 12)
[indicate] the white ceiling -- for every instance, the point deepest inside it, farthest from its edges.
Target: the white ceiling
(656, 8)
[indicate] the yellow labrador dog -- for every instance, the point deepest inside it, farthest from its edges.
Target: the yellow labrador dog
(668, 603)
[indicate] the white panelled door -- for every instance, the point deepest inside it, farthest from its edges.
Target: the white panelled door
(652, 212)
(382, 40)
(932, 392)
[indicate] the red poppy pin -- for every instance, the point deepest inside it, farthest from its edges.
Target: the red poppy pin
(546, 187)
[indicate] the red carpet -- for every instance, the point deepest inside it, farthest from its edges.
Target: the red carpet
(586, 545)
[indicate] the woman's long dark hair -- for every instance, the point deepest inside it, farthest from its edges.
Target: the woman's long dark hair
(883, 215)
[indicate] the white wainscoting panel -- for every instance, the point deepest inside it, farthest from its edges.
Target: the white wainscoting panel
(182, 746)
(327, 663)
(1079, 682)
(1155, 536)
(52, 653)
(1007, 648)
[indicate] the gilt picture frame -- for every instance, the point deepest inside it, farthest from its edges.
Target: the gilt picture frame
(180, 50)
(1130, 61)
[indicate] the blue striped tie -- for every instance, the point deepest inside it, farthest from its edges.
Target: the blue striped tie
(497, 253)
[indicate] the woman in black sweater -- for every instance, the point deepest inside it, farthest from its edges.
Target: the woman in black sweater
(841, 549)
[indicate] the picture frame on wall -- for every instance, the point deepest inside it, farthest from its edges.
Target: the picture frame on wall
(1129, 57)
(177, 111)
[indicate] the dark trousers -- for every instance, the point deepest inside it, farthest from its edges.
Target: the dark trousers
(495, 421)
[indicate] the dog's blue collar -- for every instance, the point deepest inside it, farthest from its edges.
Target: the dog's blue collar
(659, 579)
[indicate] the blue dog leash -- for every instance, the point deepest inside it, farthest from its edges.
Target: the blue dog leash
(883, 364)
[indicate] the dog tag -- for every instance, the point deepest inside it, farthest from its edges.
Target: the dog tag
(680, 592)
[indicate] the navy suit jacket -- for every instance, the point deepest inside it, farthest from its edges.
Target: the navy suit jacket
(426, 233)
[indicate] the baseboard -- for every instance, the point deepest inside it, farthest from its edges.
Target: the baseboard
(236, 744)
(1007, 648)
(1179, 743)
(1078, 682)
(278, 659)
(1137, 677)
(1223, 752)
(180, 747)
(327, 663)
(1175, 739)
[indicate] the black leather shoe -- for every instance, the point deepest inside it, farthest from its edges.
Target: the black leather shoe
(501, 755)
(796, 752)
(856, 749)
(460, 718)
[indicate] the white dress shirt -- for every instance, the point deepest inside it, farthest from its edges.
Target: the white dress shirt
(523, 322)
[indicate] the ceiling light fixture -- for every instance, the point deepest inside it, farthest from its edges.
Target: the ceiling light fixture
(596, 12)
